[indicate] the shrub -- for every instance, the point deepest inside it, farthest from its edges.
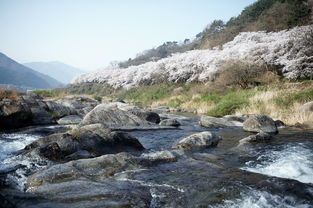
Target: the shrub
(97, 97)
(8, 94)
(240, 73)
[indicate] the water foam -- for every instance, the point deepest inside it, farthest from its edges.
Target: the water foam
(262, 199)
(293, 161)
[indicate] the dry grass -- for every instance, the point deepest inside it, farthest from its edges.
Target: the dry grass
(8, 94)
(265, 103)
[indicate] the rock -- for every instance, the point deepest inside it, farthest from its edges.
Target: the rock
(143, 114)
(95, 139)
(208, 121)
(260, 137)
(73, 119)
(14, 114)
(51, 151)
(111, 116)
(57, 110)
(279, 123)
(234, 118)
(199, 141)
(77, 102)
(307, 107)
(79, 155)
(170, 122)
(161, 156)
(260, 123)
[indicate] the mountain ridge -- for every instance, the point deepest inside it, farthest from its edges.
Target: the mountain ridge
(56, 69)
(22, 77)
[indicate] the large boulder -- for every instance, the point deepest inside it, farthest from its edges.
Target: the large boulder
(111, 116)
(143, 114)
(199, 141)
(260, 123)
(77, 102)
(14, 114)
(209, 121)
(95, 139)
(57, 110)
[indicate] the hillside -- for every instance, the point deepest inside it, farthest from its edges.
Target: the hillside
(288, 52)
(62, 72)
(263, 15)
(13, 73)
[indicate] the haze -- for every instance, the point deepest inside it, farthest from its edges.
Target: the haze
(91, 34)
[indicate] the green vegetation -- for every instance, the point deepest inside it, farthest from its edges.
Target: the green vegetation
(288, 99)
(46, 93)
(232, 101)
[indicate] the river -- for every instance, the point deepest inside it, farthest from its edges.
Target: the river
(273, 174)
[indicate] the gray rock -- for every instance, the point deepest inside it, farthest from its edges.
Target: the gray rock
(260, 123)
(208, 121)
(234, 118)
(199, 141)
(111, 116)
(14, 114)
(57, 110)
(307, 107)
(143, 114)
(279, 123)
(170, 122)
(96, 139)
(260, 137)
(73, 119)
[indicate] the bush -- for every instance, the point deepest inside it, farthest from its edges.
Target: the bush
(240, 73)
(45, 93)
(8, 94)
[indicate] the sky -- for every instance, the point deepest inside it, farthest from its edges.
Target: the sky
(89, 34)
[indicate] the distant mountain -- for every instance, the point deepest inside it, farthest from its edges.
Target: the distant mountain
(59, 71)
(15, 74)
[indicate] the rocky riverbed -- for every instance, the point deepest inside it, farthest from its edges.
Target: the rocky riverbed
(118, 155)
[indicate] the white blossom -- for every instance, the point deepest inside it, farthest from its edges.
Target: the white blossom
(286, 49)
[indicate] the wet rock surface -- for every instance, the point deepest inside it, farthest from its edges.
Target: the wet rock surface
(95, 166)
(209, 121)
(95, 139)
(260, 123)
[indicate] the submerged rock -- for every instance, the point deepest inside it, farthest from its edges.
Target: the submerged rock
(170, 122)
(260, 137)
(199, 141)
(209, 121)
(260, 123)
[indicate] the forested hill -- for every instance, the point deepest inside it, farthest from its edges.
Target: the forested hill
(263, 15)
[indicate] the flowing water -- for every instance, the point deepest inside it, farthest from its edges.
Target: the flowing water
(274, 174)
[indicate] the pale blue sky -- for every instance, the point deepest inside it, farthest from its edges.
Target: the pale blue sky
(89, 34)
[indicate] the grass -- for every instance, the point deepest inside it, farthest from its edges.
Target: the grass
(8, 94)
(279, 99)
(49, 93)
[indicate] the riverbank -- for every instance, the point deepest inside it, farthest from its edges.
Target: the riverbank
(281, 100)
